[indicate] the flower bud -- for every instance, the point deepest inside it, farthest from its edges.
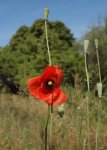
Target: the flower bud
(99, 89)
(46, 12)
(61, 110)
(96, 43)
(86, 43)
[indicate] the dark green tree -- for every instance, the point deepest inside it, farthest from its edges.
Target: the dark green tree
(26, 54)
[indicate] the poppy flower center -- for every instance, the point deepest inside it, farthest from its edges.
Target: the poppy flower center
(50, 83)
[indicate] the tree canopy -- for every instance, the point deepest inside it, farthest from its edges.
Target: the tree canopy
(26, 54)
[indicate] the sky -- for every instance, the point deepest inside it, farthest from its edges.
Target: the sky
(78, 15)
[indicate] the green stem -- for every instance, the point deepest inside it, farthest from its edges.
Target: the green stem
(46, 127)
(98, 124)
(87, 74)
(99, 106)
(98, 64)
(88, 121)
(84, 144)
(50, 108)
(47, 42)
(87, 98)
(51, 122)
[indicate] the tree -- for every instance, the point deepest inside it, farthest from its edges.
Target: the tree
(26, 54)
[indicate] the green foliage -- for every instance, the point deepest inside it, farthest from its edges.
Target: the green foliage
(26, 54)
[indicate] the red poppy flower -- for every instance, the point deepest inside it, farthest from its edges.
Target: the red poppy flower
(46, 87)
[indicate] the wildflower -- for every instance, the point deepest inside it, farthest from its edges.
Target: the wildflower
(46, 87)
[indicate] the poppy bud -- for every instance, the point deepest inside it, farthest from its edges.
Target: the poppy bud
(61, 110)
(96, 43)
(99, 89)
(86, 43)
(46, 12)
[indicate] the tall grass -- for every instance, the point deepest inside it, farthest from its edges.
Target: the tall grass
(22, 123)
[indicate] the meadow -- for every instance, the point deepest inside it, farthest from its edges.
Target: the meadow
(82, 127)
(83, 123)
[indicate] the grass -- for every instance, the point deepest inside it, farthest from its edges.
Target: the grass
(22, 122)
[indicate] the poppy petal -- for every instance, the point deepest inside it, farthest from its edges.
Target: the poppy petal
(59, 96)
(54, 98)
(34, 84)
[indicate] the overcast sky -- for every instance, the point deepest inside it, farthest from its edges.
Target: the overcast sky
(78, 15)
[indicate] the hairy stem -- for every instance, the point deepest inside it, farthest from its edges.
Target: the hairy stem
(87, 98)
(50, 108)
(98, 64)
(47, 42)
(87, 74)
